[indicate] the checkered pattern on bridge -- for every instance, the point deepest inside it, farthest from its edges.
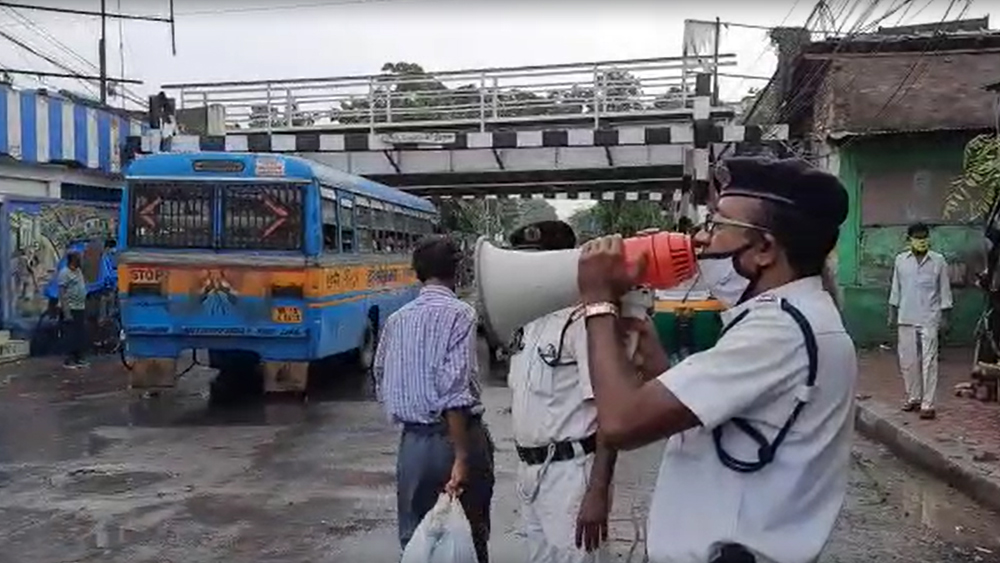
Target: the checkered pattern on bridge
(699, 134)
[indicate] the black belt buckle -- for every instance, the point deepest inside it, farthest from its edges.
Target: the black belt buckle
(563, 451)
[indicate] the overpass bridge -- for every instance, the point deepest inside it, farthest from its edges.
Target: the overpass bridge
(629, 129)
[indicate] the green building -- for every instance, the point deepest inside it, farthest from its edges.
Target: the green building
(890, 113)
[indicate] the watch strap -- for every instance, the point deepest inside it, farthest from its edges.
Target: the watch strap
(600, 309)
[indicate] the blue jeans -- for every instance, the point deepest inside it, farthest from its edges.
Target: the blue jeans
(423, 467)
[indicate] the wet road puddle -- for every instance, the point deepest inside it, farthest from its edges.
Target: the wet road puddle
(107, 481)
(927, 502)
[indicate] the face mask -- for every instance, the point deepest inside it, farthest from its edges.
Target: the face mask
(718, 273)
(920, 245)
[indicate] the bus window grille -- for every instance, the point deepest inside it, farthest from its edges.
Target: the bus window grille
(170, 215)
(262, 217)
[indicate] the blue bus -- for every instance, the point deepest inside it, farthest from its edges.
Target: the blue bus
(272, 263)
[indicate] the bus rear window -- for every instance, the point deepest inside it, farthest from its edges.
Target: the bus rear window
(170, 215)
(262, 217)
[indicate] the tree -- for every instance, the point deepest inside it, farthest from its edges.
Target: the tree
(406, 92)
(973, 192)
(618, 217)
(494, 218)
(470, 219)
(673, 99)
(534, 211)
(259, 115)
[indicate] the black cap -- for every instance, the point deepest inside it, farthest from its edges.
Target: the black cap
(544, 235)
(815, 194)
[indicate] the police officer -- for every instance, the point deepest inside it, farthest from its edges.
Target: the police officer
(760, 425)
(564, 468)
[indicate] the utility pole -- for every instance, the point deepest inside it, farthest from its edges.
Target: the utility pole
(103, 55)
(715, 62)
(103, 43)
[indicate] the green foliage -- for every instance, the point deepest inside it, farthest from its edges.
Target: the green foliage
(618, 217)
(534, 211)
(972, 194)
(406, 92)
(495, 218)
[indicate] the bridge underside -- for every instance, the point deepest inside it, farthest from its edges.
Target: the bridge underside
(633, 183)
(643, 162)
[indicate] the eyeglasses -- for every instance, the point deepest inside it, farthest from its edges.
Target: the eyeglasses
(713, 220)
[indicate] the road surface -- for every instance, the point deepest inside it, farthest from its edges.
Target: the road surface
(88, 474)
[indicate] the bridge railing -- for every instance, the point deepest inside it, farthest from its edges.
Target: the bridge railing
(465, 99)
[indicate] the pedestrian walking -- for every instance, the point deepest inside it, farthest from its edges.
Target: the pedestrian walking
(565, 470)
(73, 299)
(426, 376)
(919, 305)
(759, 426)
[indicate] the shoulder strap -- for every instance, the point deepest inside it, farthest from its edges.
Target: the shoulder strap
(555, 359)
(767, 450)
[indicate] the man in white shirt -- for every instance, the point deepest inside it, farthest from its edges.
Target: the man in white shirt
(759, 426)
(919, 303)
(565, 471)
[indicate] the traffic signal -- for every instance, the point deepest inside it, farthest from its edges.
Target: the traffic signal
(161, 109)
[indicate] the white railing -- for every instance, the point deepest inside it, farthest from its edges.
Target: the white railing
(464, 99)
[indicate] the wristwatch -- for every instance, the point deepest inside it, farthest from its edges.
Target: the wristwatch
(600, 309)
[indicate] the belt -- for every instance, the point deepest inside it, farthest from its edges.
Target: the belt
(562, 450)
(734, 553)
(430, 428)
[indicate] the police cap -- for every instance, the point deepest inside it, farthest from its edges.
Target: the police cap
(544, 235)
(809, 191)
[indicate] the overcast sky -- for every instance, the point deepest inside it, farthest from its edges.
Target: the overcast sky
(260, 39)
(256, 39)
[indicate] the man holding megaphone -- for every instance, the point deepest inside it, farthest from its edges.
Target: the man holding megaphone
(759, 426)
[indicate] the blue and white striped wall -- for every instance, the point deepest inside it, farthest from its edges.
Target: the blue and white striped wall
(38, 127)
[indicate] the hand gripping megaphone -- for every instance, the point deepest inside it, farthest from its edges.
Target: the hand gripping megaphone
(515, 287)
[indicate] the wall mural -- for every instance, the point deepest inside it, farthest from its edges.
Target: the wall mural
(39, 234)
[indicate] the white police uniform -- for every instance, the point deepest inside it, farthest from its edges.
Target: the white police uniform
(709, 492)
(553, 403)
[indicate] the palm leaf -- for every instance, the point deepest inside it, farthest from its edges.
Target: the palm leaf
(971, 194)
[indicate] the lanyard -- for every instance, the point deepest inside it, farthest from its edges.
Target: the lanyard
(767, 450)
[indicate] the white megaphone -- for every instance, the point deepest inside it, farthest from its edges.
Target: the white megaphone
(515, 287)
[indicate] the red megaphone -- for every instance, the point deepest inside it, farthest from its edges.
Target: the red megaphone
(670, 258)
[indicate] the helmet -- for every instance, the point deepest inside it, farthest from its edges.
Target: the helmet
(543, 235)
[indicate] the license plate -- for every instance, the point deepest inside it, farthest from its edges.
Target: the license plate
(145, 275)
(286, 315)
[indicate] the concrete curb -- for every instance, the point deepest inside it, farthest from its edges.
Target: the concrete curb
(951, 467)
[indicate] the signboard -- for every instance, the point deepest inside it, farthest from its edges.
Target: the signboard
(270, 167)
(417, 138)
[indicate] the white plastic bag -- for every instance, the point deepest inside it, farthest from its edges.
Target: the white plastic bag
(443, 536)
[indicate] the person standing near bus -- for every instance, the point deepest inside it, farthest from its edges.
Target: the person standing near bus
(919, 303)
(425, 373)
(73, 299)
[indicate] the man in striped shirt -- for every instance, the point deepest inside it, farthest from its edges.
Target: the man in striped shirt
(426, 368)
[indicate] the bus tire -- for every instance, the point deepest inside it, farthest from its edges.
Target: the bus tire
(366, 357)
(369, 343)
